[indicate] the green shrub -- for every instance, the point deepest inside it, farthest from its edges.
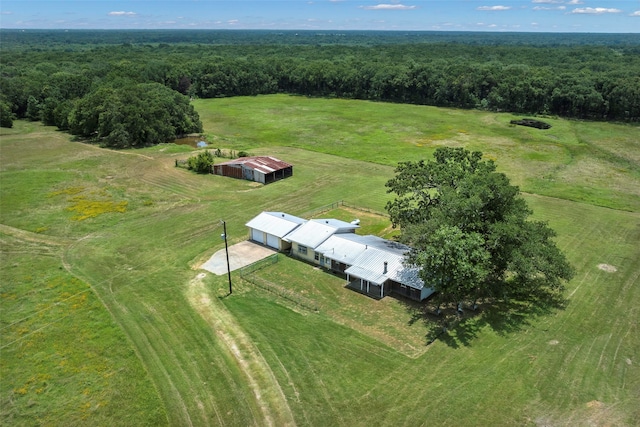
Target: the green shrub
(202, 163)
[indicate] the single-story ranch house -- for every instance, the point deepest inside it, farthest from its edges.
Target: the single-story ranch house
(264, 169)
(372, 265)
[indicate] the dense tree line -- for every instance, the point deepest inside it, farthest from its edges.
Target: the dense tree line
(587, 79)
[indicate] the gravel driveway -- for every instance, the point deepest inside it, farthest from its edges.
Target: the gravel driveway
(240, 255)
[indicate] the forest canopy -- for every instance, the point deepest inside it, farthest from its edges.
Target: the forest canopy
(45, 75)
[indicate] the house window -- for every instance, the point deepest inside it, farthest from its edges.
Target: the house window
(317, 256)
(302, 250)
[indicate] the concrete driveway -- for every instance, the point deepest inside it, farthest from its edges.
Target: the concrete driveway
(240, 255)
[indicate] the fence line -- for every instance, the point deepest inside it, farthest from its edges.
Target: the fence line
(248, 274)
(324, 208)
(259, 265)
(282, 292)
(336, 205)
(363, 209)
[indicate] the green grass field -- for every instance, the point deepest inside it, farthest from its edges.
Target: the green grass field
(106, 318)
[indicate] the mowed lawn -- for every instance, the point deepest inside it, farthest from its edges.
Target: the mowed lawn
(187, 353)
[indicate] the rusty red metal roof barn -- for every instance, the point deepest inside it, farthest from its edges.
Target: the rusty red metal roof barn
(263, 169)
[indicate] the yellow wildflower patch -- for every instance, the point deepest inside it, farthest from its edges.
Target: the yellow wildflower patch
(70, 191)
(89, 206)
(85, 208)
(80, 301)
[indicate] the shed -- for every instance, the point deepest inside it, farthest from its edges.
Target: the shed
(269, 228)
(263, 169)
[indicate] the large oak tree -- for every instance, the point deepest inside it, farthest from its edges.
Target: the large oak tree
(470, 230)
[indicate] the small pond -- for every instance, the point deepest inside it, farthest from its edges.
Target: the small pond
(193, 141)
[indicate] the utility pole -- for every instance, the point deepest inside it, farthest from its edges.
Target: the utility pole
(226, 248)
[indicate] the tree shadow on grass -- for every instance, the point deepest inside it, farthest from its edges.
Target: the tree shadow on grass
(503, 316)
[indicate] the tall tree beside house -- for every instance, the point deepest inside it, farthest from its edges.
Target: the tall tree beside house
(471, 231)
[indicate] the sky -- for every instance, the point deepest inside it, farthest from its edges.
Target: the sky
(589, 16)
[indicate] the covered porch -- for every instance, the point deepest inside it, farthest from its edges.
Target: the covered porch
(366, 282)
(406, 291)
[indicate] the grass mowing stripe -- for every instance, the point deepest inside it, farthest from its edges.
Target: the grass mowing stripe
(132, 288)
(267, 390)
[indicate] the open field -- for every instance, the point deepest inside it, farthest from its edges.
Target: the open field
(583, 161)
(106, 317)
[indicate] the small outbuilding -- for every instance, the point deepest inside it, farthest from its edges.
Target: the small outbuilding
(263, 169)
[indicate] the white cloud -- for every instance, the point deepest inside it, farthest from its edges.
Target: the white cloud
(547, 1)
(6, 12)
(595, 10)
(636, 13)
(491, 8)
(575, 2)
(383, 6)
(122, 13)
(549, 7)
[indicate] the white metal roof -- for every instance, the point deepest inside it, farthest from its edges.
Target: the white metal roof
(346, 247)
(363, 273)
(409, 276)
(337, 224)
(370, 263)
(311, 234)
(275, 223)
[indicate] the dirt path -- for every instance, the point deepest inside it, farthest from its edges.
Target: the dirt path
(34, 237)
(267, 392)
